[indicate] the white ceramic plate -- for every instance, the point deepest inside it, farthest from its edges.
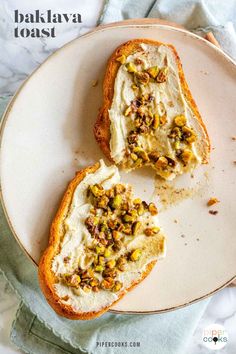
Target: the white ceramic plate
(47, 135)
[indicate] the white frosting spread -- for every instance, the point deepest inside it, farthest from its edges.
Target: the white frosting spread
(169, 93)
(77, 237)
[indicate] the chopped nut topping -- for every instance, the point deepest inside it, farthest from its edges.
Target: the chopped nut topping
(121, 59)
(131, 68)
(141, 78)
(150, 231)
(156, 121)
(135, 255)
(114, 218)
(186, 156)
(118, 285)
(180, 120)
(153, 71)
(162, 75)
(212, 201)
(153, 209)
(161, 163)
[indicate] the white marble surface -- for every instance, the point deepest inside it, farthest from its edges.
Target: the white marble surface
(18, 58)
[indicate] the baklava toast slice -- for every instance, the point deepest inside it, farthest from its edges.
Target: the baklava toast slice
(103, 242)
(148, 115)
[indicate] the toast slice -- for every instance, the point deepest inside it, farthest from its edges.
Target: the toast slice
(148, 115)
(102, 243)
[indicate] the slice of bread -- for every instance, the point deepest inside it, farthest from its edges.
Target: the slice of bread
(148, 115)
(102, 243)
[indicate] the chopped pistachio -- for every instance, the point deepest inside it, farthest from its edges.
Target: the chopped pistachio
(87, 288)
(191, 139)
(177, 144)
(103, 202)
(136, 227)
(121, 59)
(141, 209)
(188, 134)
(116, 201)
(111, 273)
(137, 201)
(94, 282)
(180, 120)
(153, 71)
(119, 188)
(100, 249)
(138, 162)
(95, 289)
(129, 218)
(107, 283)
(128, 111)
(161, 163)
(111, 264)
(153, 155)
(135, 255)
(101, 260)
(150, 114)
(186, 156)
(116, 235)
(150, 231)
(176, 133)
(134, 87)
(131, 68)
(118, 285)
(117, 246)
(133, 156)
(142, 78)
(162, 75)
(99, 268)
(97, 190)
(156, 121)
(127, 229)
(107, 253)
(144, 156)
(163, 119)
(153, 209)
(137, 149)
(121, 262)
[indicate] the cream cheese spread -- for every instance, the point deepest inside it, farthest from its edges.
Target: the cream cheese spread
(77, 238)
(167, 95)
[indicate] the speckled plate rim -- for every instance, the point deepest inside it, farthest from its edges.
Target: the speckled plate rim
(12, 101)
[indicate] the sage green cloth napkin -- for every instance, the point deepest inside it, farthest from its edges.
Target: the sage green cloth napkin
(198, 16)
(38, 329)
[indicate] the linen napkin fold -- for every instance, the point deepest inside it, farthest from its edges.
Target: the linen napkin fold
(198, 16)
(38, 329)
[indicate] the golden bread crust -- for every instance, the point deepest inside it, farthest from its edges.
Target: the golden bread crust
(47, 278)
(102, 124)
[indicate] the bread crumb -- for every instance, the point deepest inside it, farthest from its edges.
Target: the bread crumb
(175, 221)
(212, 201)
(213, 212)
(94, 83)
(234, 138)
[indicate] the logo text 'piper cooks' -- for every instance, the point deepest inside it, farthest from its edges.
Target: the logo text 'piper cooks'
(215, 337)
